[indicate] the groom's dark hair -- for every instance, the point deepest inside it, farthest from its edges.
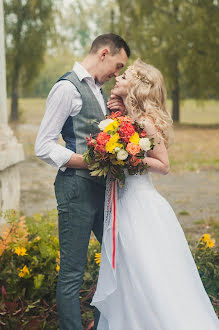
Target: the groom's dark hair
(115, 43)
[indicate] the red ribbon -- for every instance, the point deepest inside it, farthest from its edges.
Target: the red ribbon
(114, 223)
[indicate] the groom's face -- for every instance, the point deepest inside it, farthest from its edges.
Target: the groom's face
(110, 65)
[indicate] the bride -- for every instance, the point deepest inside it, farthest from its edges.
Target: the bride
(155, 284)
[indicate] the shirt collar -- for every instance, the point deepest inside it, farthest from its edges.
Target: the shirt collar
(82, 73)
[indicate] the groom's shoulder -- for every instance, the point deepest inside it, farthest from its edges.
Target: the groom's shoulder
(70, 75)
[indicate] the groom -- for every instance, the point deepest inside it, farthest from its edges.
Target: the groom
(73, 102)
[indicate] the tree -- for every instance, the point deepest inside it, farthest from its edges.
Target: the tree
(28, 25)
(179, 37)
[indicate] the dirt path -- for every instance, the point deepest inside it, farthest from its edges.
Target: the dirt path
(193, 196)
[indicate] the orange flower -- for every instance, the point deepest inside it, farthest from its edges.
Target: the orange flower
(133, 149)
(135, 161)
(143, 134)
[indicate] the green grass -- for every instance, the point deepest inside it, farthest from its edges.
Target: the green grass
(202, 112)
(205, 112)
(195, 147)
(201, 227)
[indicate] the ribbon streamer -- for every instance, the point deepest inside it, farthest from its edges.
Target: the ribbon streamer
(114, 219)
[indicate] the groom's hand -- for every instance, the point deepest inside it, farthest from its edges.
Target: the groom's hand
(115, 103)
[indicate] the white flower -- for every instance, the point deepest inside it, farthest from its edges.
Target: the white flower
(104, 123)
(145, 144)
(122, 155)
(117, 149)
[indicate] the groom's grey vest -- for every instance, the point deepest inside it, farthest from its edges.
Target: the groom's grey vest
(77, 128)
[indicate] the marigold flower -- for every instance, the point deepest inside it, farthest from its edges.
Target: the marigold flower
(103, 138)
(23, 271)
(57, 267)
(132, 148)
(125, 131)
(135, 161)
(97, 258)
(135, 138)
(115, 114)
(21, 251)
(90, 141)
(100, 148)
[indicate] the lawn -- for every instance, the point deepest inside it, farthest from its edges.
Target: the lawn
(196, 139)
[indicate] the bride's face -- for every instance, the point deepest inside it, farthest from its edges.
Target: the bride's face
(122, 83)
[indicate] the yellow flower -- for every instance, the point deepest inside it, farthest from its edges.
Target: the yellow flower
(23, 271)
(135, 138)
(112, 126)
(210, 243)
(97, 258)
(114, 138)
(21, 251)
(57, 267)
(205, 237)
(112, 143)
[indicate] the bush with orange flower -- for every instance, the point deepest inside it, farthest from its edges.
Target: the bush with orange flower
(29, 265)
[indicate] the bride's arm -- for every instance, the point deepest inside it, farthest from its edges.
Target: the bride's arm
(157, 158)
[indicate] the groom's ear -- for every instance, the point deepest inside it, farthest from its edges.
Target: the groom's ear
(103, 53)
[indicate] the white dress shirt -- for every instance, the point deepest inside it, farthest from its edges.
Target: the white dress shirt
(63, 101)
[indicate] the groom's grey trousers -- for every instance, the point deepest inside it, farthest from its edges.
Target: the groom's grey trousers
(80, 209)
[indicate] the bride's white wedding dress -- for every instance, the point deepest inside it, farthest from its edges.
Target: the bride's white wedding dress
(155, 284)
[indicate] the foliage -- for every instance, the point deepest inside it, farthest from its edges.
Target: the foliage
(54, 67)
(174, 36)
(28, 301)
(28, 26)
(29, 264)
(207, 261)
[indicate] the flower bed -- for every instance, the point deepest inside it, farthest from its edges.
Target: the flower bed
(29, 264)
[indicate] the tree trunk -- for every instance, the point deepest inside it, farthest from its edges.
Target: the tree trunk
(14, 96)
(176, 95)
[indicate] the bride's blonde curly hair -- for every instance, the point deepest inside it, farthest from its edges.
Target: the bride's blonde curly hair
(147, 98)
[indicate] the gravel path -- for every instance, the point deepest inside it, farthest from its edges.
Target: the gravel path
(193, 196)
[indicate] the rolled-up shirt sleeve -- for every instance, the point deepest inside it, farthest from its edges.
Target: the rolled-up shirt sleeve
(63, 101)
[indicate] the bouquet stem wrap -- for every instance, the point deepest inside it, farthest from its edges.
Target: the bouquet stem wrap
(111, 214)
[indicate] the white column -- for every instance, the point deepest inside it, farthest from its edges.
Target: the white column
(3, 93)
(11, 152)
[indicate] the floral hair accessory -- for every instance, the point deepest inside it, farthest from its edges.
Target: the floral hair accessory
(140, 77)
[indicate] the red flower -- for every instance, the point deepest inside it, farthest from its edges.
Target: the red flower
(90, 141)
(115, 114)
(103, 138)
(100, 148)
(135, 161)
(125, 131)
(143, 134)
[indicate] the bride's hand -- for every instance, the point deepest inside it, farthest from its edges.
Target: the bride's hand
(115, 103)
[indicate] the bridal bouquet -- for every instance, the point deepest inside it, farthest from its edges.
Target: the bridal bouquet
(121, 144)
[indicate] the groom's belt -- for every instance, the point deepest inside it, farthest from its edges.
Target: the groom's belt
(82, 173)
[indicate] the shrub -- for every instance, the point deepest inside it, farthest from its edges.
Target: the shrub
(29, 264)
